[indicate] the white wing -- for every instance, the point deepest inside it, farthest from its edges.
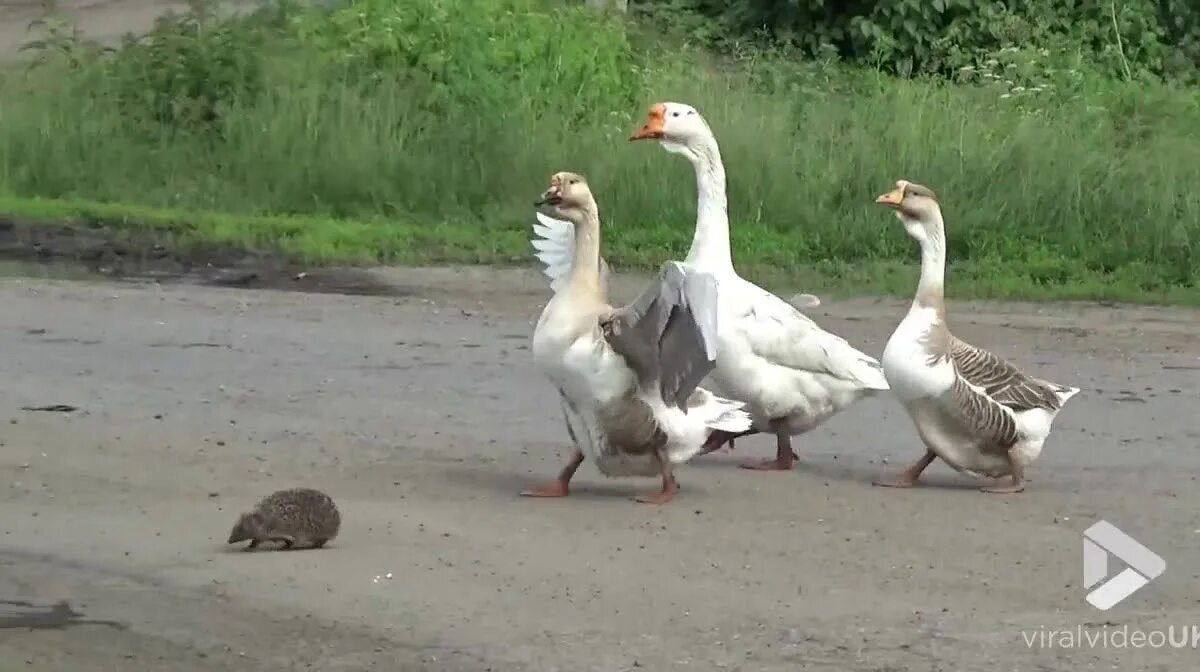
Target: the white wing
(554, 246)
(781, 334)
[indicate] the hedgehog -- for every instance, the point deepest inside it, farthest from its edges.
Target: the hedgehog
(297, 517)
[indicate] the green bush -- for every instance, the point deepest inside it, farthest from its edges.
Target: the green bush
(189, 69)
(486, 55)
(1130, 38)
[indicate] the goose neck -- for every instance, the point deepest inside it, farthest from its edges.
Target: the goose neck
(710, 243)
(931, 286)
(585, 268)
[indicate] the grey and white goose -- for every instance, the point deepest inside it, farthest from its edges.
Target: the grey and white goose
(977, 412)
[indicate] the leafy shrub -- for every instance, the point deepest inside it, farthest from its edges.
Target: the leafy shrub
(489, 54)
(1131, 38)
(189, 68)
(483, 54)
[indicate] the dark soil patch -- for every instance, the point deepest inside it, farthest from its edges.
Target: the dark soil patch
(110, 252)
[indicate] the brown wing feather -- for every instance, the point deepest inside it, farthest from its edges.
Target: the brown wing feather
(630, 427)
(986, 419)
(1001, 381)
(624, 426)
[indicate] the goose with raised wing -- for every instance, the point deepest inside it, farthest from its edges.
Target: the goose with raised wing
(792, 374)
(977, 412)
(628, 377)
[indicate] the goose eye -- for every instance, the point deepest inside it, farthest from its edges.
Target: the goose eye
(674, 114)
(574, 181)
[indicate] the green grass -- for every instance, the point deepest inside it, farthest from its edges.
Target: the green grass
(335, 140)
(321, 240)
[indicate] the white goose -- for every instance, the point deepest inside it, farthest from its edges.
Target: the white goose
(977, 412)
(792, 374)
(628, 377)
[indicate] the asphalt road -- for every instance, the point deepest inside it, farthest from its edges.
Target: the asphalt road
(420, 415)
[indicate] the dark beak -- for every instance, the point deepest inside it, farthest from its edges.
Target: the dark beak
(548, 197)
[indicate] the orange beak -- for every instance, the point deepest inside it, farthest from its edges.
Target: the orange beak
(653, 128)
(893, 198)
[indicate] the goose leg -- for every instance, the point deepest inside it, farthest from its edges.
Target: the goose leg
(1018, 478)
(560, 485)
(669, 486)
(720, 437)
(908, 477)
(732, 448)
(783, 450)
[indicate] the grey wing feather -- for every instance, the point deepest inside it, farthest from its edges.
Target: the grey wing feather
(1003, 382)
(669, 333)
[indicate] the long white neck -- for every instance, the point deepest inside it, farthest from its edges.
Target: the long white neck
(931, 286)
(710, 243)
(585, 268)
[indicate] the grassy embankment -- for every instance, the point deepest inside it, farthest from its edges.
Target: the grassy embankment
(363, 136)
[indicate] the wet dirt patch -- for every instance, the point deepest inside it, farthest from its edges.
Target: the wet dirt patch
(28, 615)
(84, 249)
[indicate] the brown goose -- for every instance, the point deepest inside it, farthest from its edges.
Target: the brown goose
(980, 414)
(628, 377)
